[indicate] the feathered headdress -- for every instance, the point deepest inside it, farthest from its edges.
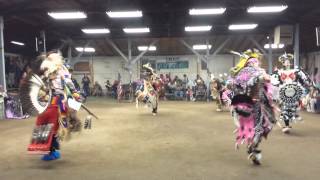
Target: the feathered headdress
(285, 57)
(148, 67)
(244, 58)
(35, 92)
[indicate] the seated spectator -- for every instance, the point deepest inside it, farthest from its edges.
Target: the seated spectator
(312, 100)
(114, 88)
(171, 87)
(97, 89)
(189, 94)
(199, 80)
(179, 88)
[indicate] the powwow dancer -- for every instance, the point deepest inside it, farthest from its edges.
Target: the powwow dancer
(252, 104)
(50, 93)
(292, 84)
(147, 93)
(220, 94)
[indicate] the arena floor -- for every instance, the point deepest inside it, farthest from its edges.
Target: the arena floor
(186, 140)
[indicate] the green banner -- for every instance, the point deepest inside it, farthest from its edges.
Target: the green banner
(173, 65)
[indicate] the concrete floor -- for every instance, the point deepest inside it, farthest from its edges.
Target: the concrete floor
(186, 140)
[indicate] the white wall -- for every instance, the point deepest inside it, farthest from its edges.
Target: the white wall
(107, 68)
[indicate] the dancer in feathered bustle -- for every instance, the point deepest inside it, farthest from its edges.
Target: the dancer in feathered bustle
(252, 104)
(292, 84)
(147, 93)
(50, 93)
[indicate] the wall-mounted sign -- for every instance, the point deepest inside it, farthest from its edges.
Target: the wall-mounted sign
(173, 65)
(172, 59)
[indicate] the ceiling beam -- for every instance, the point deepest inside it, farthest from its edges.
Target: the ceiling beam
(115, 47)
(192, 50)
(142, 53)
(81, 53)
(221, 46)
(257, 45)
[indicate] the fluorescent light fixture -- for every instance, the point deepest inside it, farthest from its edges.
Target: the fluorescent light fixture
(242, 26)
(197, 28)
(67, 15)
(201, 47)
(266, 9)
(211, 11)
(86, 49)
(274, 46)
(144, 48)
(124, 14)
(17, 43)
(136, 30)
(96, 31)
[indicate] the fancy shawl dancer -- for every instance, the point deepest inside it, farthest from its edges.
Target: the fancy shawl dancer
(48, 91)
(147, 93)
(252, 105)
(292, 84)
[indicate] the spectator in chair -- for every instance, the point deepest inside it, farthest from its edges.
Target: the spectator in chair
(97, 89)
(179, 87)
(316, 77)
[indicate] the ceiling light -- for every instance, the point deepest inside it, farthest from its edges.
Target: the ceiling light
(266, 9)
(67, 15)
(197, 28)
(201, 47)
(17, 43)
(242, 26)
(136, 30)
(144, 48)
(96, 31)
(124, 14)
(86, 49)
(274, 46)
(211, 11)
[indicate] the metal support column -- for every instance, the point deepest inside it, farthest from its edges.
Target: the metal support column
(130, 60)
(207, 56)
(270, 57)
(208, 71)
(43, 35)
(297, 45)
(69, 53)
(2, 68)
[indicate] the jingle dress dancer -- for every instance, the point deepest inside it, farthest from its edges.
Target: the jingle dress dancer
(251, 104)
(292, 84)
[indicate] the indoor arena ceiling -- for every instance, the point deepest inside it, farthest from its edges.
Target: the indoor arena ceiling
(24, 19)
